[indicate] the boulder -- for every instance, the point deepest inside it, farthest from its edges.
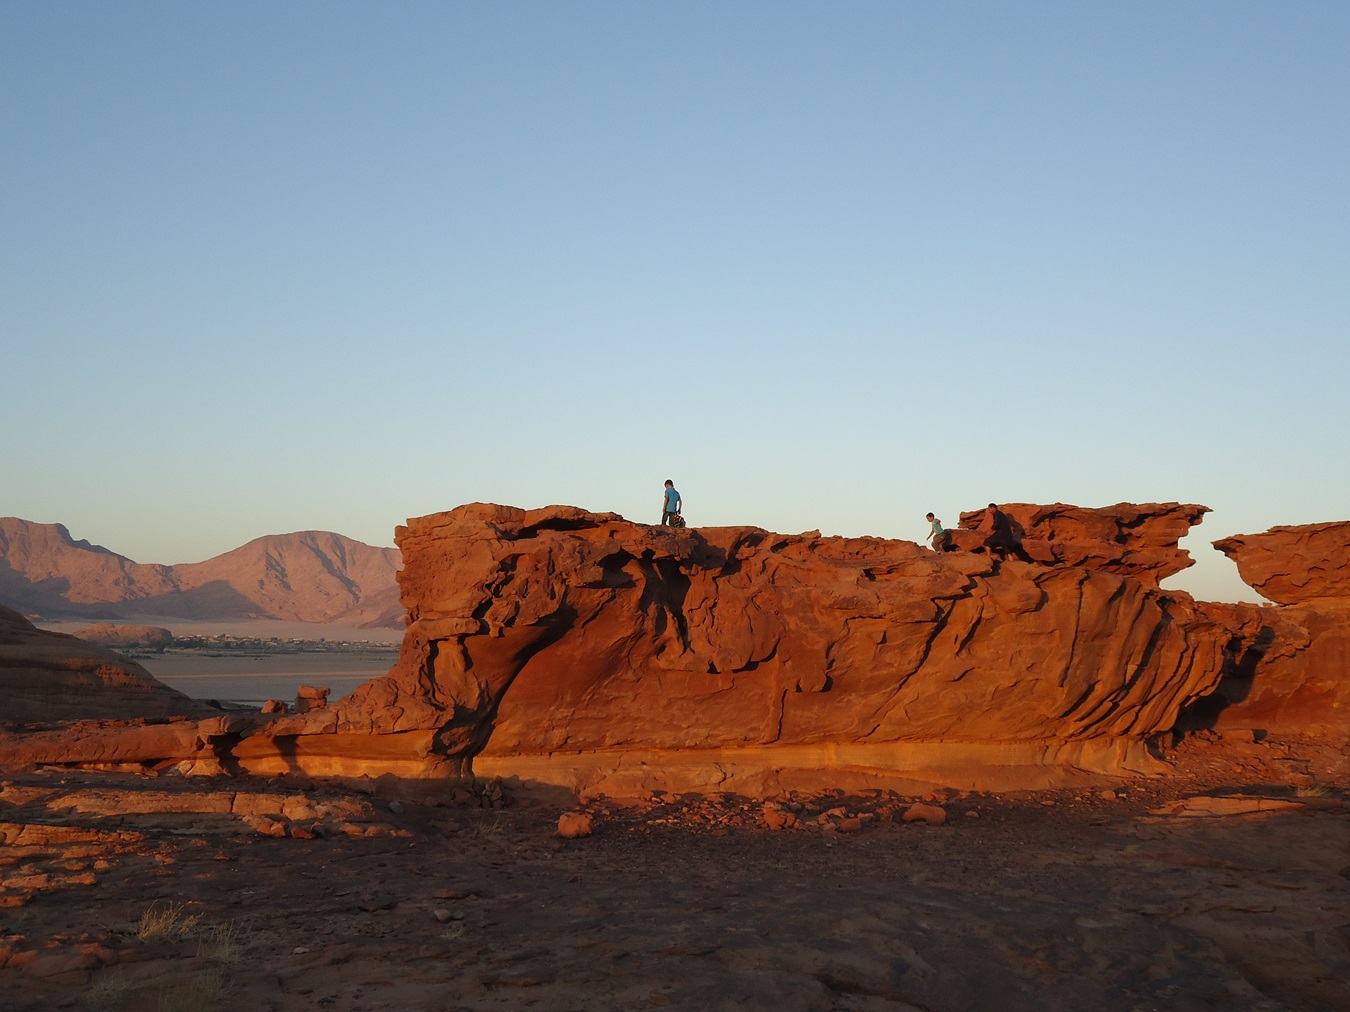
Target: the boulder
(574, 825)
(311, 697)
(931, 815)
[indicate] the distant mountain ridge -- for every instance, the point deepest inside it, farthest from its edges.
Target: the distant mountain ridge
(308, 576)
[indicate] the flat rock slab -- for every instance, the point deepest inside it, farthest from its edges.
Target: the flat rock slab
(1233, 804)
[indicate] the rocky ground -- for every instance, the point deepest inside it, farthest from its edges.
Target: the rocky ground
(1220, 886)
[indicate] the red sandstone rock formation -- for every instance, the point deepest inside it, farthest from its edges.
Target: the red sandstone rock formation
(1294, 565)
(46, 676)
(553, 642)
(311, 576)
(582, 650)
(1138, 541)
(1298, 682)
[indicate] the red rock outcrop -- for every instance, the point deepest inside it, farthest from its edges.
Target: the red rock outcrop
(581, 650)
(47, 676)
(566, 645)
(310, 576)
(1128, 539)
(1298, 680)
(1294, 565)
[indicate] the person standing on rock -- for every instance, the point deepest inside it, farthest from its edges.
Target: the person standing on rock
(671, 505)
(1001, 538)
(939, 537)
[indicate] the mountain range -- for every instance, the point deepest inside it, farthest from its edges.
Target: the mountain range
(309, 576)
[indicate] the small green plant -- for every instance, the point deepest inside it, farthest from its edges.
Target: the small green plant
(169, 923)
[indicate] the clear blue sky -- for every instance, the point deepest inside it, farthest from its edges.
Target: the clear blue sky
(268, 267)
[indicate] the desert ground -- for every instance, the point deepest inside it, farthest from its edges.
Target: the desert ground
(1220, 885)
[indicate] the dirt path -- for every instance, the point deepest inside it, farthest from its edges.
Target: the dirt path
(1060, 900)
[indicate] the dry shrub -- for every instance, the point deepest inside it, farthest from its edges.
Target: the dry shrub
(169, 923)
(488, 828)
(453, 933)
(198, 993)
(107, 993)
(222, 943)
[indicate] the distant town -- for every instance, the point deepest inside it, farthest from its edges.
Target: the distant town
(221, 645)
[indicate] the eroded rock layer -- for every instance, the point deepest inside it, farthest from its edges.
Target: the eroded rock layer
(1128, 539)
(1298, 681)
(583, 651)
(558, 639)
(1294, 565)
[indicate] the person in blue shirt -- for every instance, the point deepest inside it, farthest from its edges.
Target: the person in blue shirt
(939, 537)
(671, 504)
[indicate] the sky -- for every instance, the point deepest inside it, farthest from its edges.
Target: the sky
(268, 267)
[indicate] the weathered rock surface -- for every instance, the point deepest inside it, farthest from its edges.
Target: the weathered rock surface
(1294, 565)
(47, 676)
(310, 576)
(105, 743)
(560, 643)
(1298, 681)
(1128, 539)
(583, 651)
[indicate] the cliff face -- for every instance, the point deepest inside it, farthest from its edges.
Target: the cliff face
(1298, 682)
(537, 634)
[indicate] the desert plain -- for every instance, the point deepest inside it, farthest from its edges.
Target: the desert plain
(1222, 885)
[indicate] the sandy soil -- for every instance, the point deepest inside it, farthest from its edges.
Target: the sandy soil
(1127, 898)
